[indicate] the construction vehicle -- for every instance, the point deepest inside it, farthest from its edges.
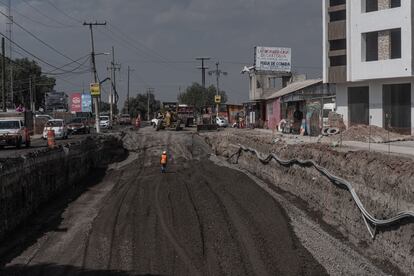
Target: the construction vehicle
(16, 128)
(186, 114)
(168, 118)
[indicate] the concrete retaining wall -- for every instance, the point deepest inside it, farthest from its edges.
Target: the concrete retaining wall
(32, 180)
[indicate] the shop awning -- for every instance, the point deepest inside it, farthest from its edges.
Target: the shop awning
(294, 87)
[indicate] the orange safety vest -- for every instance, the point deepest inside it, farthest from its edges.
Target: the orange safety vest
(163, 159)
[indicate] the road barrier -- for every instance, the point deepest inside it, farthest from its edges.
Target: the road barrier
(337, 181)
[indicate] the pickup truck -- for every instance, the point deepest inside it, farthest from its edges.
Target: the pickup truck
(13, 132)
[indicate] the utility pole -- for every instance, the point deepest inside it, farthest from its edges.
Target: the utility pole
(203, 70)
(113, 69)
(3, 73)
(30, 93)
(129, 72)
(95, 75)
(9, 34)
(149, 92)
(218, 73)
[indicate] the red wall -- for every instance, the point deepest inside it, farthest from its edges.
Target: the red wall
(274, 118)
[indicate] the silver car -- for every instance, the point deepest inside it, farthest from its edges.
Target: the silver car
(221, 122)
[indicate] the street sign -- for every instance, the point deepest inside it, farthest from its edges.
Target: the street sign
(217, 99)
(95, 89)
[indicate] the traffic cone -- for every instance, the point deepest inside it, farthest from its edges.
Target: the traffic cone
(51, 142)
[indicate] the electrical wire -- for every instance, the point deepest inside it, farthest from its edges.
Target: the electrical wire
(37, 21)
(40, 40)
(45, 15)
(33, 55)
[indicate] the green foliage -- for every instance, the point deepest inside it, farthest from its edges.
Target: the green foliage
(23, 70)
(197, 96)
(139, 105)
(105, 107)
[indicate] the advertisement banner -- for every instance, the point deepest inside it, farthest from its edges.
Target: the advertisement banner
(86, 103)
(273, 59)
(75, 102)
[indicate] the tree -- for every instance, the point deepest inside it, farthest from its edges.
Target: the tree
(106, 107)
(23, 71)
(139, 105)
(199, 97)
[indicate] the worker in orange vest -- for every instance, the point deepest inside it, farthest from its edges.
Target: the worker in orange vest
(164, 161)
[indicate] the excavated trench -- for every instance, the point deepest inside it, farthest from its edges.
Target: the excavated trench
(384, 183)
(32, 180)
(113, 211)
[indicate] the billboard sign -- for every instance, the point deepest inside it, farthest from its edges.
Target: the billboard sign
(86, 103)
(76, 102)
(273, 59)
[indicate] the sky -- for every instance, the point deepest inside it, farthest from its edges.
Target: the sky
(160, 39)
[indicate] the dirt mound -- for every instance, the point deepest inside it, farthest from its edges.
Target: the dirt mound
(363, 133)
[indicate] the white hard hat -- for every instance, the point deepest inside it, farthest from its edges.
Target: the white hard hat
(164, 152)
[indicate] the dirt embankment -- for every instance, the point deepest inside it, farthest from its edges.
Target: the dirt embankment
(385, 185)
(33, 179)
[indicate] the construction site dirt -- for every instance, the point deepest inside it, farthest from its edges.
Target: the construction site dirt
(383, 182)
(197, 219)
(203, 217)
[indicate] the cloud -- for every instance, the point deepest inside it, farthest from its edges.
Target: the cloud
(176, 30)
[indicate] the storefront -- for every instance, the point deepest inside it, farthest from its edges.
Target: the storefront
(255, 114)
(307, 99)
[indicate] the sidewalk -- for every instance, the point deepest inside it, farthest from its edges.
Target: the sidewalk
(402, 148)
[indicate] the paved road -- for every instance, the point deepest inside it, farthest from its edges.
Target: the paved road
(36, 144)
(198, 219)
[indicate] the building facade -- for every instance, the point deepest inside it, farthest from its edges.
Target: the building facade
(368, 53)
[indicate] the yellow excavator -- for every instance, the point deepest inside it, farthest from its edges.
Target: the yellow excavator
(168, 118)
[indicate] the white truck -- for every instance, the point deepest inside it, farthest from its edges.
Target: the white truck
(15, 129)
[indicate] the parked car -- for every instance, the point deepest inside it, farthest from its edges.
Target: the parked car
(125, 119)
(221, 122)
(105, 122)
(44, 116)
(59, 126)
(79, 125)
(13, 132)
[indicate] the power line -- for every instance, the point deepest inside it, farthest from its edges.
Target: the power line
(45, 15)
(33, 55)
(38, 39)
(63, 12)
(37, 21)
(72, 71)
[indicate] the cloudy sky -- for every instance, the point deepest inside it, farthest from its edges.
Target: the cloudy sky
(159, 39)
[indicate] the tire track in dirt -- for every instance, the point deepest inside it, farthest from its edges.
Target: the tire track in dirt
(120, 205)
(242, 234)
(178, 248)
(116, 198)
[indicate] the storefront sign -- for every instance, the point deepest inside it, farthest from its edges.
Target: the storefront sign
(273, 59)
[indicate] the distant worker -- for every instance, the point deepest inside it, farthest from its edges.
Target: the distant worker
(164, 161)
(168, 118)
